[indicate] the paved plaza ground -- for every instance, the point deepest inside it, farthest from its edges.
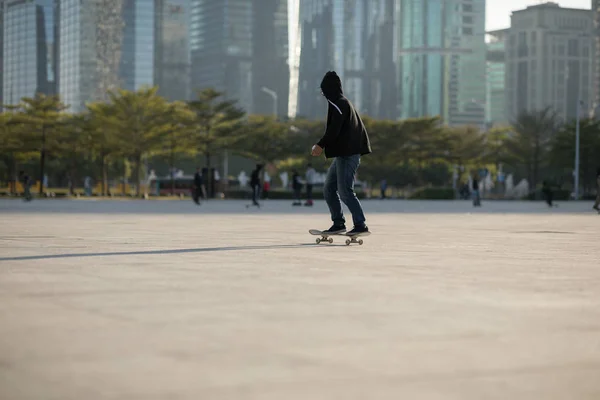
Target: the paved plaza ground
(165, 300)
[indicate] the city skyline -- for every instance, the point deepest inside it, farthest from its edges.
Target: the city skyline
(499, 11)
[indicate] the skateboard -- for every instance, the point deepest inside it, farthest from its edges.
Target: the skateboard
(325, 237)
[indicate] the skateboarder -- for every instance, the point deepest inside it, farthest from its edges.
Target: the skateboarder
(255, 184)
(345, 140)
(597, 203)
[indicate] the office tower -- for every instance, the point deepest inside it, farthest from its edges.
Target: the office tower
(270, 69)
(496, 69)
(240, 46)
(28, 44)
(90, 37)
(442, 60)
(136, 68)
(549, 60)
(356, 39)
(171, 49)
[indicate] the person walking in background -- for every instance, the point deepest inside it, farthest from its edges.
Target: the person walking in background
(265, 189)
(297, 188)
(310, 181)
(548, 194)
(198, 186)
(26, 182)
(255, 184)
(345, 140)
(383, 188)
(475, 194)
(597, 203)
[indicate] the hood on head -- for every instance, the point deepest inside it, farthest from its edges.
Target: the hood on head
(331, 85)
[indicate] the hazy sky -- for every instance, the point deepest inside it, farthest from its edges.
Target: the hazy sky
(498, 11)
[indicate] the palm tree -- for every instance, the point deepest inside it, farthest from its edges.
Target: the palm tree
(216, 120)
(42, 114)
(138, 119)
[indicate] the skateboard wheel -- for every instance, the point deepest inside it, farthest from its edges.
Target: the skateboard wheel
(360, 241)
(347, 242)
(330, 240)
(318, 241)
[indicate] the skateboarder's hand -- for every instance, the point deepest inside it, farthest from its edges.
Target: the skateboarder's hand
(316, 150)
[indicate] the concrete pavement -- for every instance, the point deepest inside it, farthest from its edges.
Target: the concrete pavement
(165, 300)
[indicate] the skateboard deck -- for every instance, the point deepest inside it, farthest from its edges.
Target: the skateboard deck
(325, 237)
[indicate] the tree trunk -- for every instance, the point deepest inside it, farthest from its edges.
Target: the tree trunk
(172, 169)
(104, 174)
(138, 165)
(42, 160)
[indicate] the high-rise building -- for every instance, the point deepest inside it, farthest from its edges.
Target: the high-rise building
(270, 69)
(441, 51)
(240, 46)
(28, 49)
(549, 60)
(495, 101)
(172, 50)
(136, 67)
(356, 39)
(90, 35)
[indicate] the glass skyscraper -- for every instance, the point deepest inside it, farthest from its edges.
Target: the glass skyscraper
(441, 66)
(354, 38)
(28, 57)
(240, 46)
(137, 49)
(172, 50)
(221, 48)
(495, 87)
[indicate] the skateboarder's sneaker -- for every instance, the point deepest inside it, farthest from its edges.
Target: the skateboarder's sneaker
(335, 230)
(358, 229)
(596, 208)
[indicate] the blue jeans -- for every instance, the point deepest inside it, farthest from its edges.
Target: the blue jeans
(339, 185)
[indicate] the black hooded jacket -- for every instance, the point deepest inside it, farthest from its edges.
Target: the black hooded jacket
(345, 134)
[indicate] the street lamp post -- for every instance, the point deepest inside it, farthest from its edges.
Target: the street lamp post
(273, 94)
(577, 149)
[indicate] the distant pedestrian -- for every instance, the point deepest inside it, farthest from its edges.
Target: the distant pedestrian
(198, 188)
(384, 186)
(297, 188)
(597, 203)
(26, 182)
(475, 194)
(255, 184)
(311, 175)
(548, 193)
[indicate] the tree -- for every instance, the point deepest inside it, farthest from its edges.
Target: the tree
(139, 120)
(528, 146)
(216, 121)
(562, 152)
(74, 140)
(41, 114)
(179, 134)
(104, 139)
(263, 139)
(15, 146)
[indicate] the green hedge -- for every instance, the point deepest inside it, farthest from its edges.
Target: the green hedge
(439, 193)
